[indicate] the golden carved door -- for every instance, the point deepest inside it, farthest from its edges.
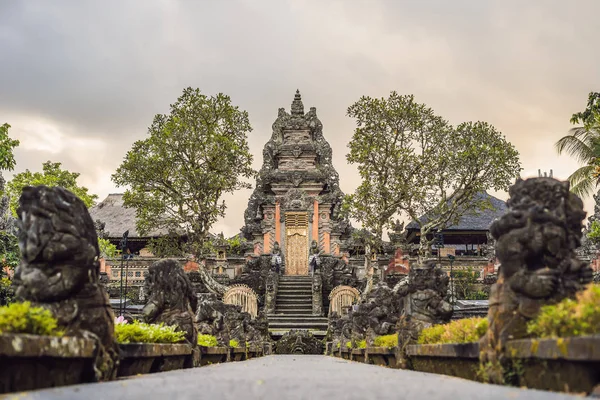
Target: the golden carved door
(296, 243)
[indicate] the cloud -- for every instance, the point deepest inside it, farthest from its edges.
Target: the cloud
(82, 80)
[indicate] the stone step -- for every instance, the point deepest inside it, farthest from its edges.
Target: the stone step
(294, 290)
(294, 296)
(293, 300)
(293, 311)
(295, 286)
(298, 279)
(296, 318)
(298, 325)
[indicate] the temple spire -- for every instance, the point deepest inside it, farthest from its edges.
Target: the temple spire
(297, 106)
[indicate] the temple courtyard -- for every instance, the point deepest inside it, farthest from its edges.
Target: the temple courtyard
(291, 377)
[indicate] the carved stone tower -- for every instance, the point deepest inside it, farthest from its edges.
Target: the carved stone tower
(297, 196)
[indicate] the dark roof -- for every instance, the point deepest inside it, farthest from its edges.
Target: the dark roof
(474, 220)
(117, 217)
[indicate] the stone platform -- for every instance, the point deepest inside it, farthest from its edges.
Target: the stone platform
(291, 377)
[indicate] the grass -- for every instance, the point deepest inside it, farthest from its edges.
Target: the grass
(139, 332)
(569, 317)
(26, 319)
(207, 340)
(388, 341)
(460, 331)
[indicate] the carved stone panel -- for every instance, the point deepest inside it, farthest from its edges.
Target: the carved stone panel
(296, 243)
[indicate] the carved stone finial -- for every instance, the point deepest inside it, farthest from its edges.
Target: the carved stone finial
(297, 106)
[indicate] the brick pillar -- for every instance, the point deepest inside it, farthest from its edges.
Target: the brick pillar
(315, 223)
(277, 223)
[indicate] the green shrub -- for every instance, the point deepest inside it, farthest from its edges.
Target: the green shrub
(139, 332)
(234, 343)
(207, 340)
(388, 341)
(569, 317)
(361, 344)
(348, 345)
(23, 318)
(460, 331)
(431, 335)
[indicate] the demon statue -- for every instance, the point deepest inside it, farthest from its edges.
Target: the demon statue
(276, 258)
(535, 245)
(377, 315)
(314, 259)
(59, 270)
(423, 303)
(171, 298)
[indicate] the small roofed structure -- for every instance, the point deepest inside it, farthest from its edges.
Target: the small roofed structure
(118, 219)
(470, 233)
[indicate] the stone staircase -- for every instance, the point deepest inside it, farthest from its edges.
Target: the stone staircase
(294, 308)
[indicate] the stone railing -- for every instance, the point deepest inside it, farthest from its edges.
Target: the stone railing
(342, 297)
(244, 296)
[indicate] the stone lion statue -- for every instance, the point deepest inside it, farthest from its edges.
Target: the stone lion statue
(171, 298)
(59, 270)
(535, 245)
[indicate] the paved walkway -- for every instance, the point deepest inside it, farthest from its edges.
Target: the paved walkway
(291, 377)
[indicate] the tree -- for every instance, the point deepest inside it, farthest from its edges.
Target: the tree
(414, 163)
(583, 143)
(7, 145)
(192, 156)
(51, 175)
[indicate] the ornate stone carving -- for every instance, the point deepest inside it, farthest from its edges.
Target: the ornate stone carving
(535, 245)
(314, 259)
(271, 292)
(276, 258)
(171, 298)
(227, 321)
(317, 294)
(59, 269)
(299, 342)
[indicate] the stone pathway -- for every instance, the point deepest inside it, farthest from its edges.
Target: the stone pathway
(291, 377)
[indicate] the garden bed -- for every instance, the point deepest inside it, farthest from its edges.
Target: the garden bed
(253, 352)
(564, 364)
(460, 360)
(213, 355)
(358, 355)
(382, 356)
(238, 354)
(145, 358)
(345, 353)
(32, 362)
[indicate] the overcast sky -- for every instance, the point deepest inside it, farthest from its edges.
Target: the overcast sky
(80, 81)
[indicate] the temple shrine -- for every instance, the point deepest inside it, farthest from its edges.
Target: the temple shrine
(297, 196)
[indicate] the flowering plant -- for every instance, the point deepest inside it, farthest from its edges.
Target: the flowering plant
(120, 320)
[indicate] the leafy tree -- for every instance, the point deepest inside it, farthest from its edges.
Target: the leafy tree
(7, 145)
(413, 163)
(583, 143)
(107, 249)
(52, 175)
(192, 156)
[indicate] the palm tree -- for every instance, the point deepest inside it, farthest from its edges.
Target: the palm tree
(583, 143)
